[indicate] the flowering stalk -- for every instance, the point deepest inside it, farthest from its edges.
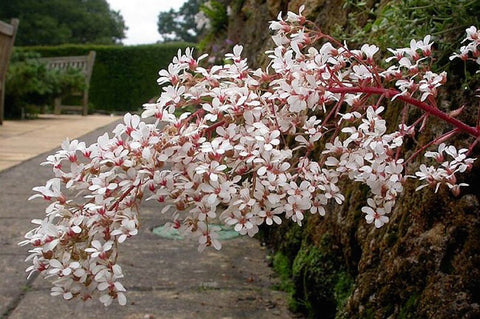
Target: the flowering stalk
(391, 93)
(262, 146)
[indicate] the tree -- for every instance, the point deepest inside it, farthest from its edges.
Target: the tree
(180, 25)
(64, 21)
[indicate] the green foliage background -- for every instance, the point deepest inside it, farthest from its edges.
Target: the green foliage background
(55, 22)
(29, 84)
(392, 24)
(124, 77)
(180, 25)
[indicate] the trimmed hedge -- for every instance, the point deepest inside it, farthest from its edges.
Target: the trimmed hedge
(124, 77)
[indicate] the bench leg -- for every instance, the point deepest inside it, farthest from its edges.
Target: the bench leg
(85, 103)
(57, 102)
(2, 101)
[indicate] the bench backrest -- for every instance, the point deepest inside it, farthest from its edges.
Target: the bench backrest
(85, 64)
(7, 38)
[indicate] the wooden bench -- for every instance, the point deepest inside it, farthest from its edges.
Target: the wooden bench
(7, 38)
(85, 64)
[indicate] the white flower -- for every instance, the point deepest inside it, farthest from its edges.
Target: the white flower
(127, 229)
(293, 17)
(99, 250)
(52, 189)
(361, 72)
(69, 149)
(270, 140)
(208, 237)
(271, 217)
(375, 214)
(213, 170)
(236, 55)
(369, 50)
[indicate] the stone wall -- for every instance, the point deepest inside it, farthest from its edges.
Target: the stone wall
(425, 263)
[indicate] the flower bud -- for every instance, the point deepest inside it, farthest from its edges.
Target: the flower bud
(455, 190)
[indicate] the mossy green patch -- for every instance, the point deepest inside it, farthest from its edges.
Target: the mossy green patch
(283, 267)
(409, 309)
(314, 272)
(343, 289)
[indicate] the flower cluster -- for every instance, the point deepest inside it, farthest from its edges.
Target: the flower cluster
(445, 173)
(471, 50)
(260, 146)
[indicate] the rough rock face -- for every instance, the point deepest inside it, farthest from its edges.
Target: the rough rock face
(249, 21)
(425, 263)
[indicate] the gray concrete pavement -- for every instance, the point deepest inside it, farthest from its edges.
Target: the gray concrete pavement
(164, 278)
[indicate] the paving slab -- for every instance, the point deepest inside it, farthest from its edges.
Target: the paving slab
(12, 230)
(12, 277)
(162, 304)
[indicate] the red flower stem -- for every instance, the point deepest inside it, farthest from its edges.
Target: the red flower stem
(372, 70)
(115, 205)
(334, 110)
(424, 147)
(478, 118)
(214, 126)
(470, 149)
(389, 93)
(199, 112)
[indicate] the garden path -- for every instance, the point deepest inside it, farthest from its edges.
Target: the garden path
(164, 278)
(22, 140)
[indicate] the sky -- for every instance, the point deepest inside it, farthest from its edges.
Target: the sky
(141, 18)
